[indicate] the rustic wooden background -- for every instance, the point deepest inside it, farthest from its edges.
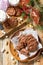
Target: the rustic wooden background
(6, 58)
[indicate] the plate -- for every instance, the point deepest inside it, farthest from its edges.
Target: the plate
(15, 53)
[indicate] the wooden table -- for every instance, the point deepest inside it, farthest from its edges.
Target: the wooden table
(6, 58)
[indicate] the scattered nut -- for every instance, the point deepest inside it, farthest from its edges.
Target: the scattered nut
(7, 52)
(12, 58)
(15, 62)
(3, 32)
(6, 36)
(7, 43)
(3, 50)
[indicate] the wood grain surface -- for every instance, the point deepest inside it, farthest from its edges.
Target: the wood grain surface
(6, 58)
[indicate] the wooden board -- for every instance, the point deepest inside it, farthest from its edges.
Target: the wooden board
(15, 54)
(6, 31)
